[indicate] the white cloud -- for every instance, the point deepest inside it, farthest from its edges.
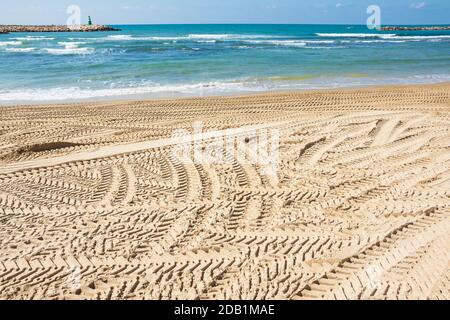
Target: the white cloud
(418, 5)
(338, 5)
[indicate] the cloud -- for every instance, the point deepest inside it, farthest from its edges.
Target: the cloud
(418, 5)
(338, 5)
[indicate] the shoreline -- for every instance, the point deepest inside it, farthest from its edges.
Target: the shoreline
(176, 97)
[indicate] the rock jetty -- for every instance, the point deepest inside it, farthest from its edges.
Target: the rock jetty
(55, 28)
(429, 28)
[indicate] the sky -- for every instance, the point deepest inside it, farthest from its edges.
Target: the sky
(225, 11)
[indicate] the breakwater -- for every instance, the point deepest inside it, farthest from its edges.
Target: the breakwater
(55, 28)
(415, 28)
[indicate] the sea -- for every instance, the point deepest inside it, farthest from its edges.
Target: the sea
(154, 61)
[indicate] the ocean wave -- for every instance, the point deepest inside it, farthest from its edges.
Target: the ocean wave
(319, 41)
(33, 38)
(268, 39)
(199, 37)
(207, 41)
(213, 36)
(76, 93)
(289, 43)
(69, 51)
(325, 47)
(70, 48)
(292, 43)
(118, 37)
(373, 41)
(20, 49)
(213, 87)
(71, 45)
(127, 37)
(10, 43)
(226, 36)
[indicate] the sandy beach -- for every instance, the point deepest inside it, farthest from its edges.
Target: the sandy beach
(353, 201)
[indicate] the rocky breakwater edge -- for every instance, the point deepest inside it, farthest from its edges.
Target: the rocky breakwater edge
(55, 28)
(416, 28)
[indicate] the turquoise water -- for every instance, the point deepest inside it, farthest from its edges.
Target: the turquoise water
(191, 60)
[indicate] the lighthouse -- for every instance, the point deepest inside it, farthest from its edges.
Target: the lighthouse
(89, 21)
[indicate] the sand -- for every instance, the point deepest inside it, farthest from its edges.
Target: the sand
(95, 205)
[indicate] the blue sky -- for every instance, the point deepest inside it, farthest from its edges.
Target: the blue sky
(226, 11)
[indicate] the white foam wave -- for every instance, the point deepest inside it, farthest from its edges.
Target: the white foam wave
(33, 38)
(71, 45)
(289, 43)
(227, 36)
(10, 43)
(199, 37)
(207, 41)
(373, 41)
(76, 93)
(206, 88)
(159, 38)
(325, 47)
(20, 49)
(319, 41)
(120, 37)
(69, 51)
(266, 39)
(127, 37)
(70, 48)
(211, 36)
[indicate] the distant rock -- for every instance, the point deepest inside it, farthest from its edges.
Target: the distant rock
(55, 28)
